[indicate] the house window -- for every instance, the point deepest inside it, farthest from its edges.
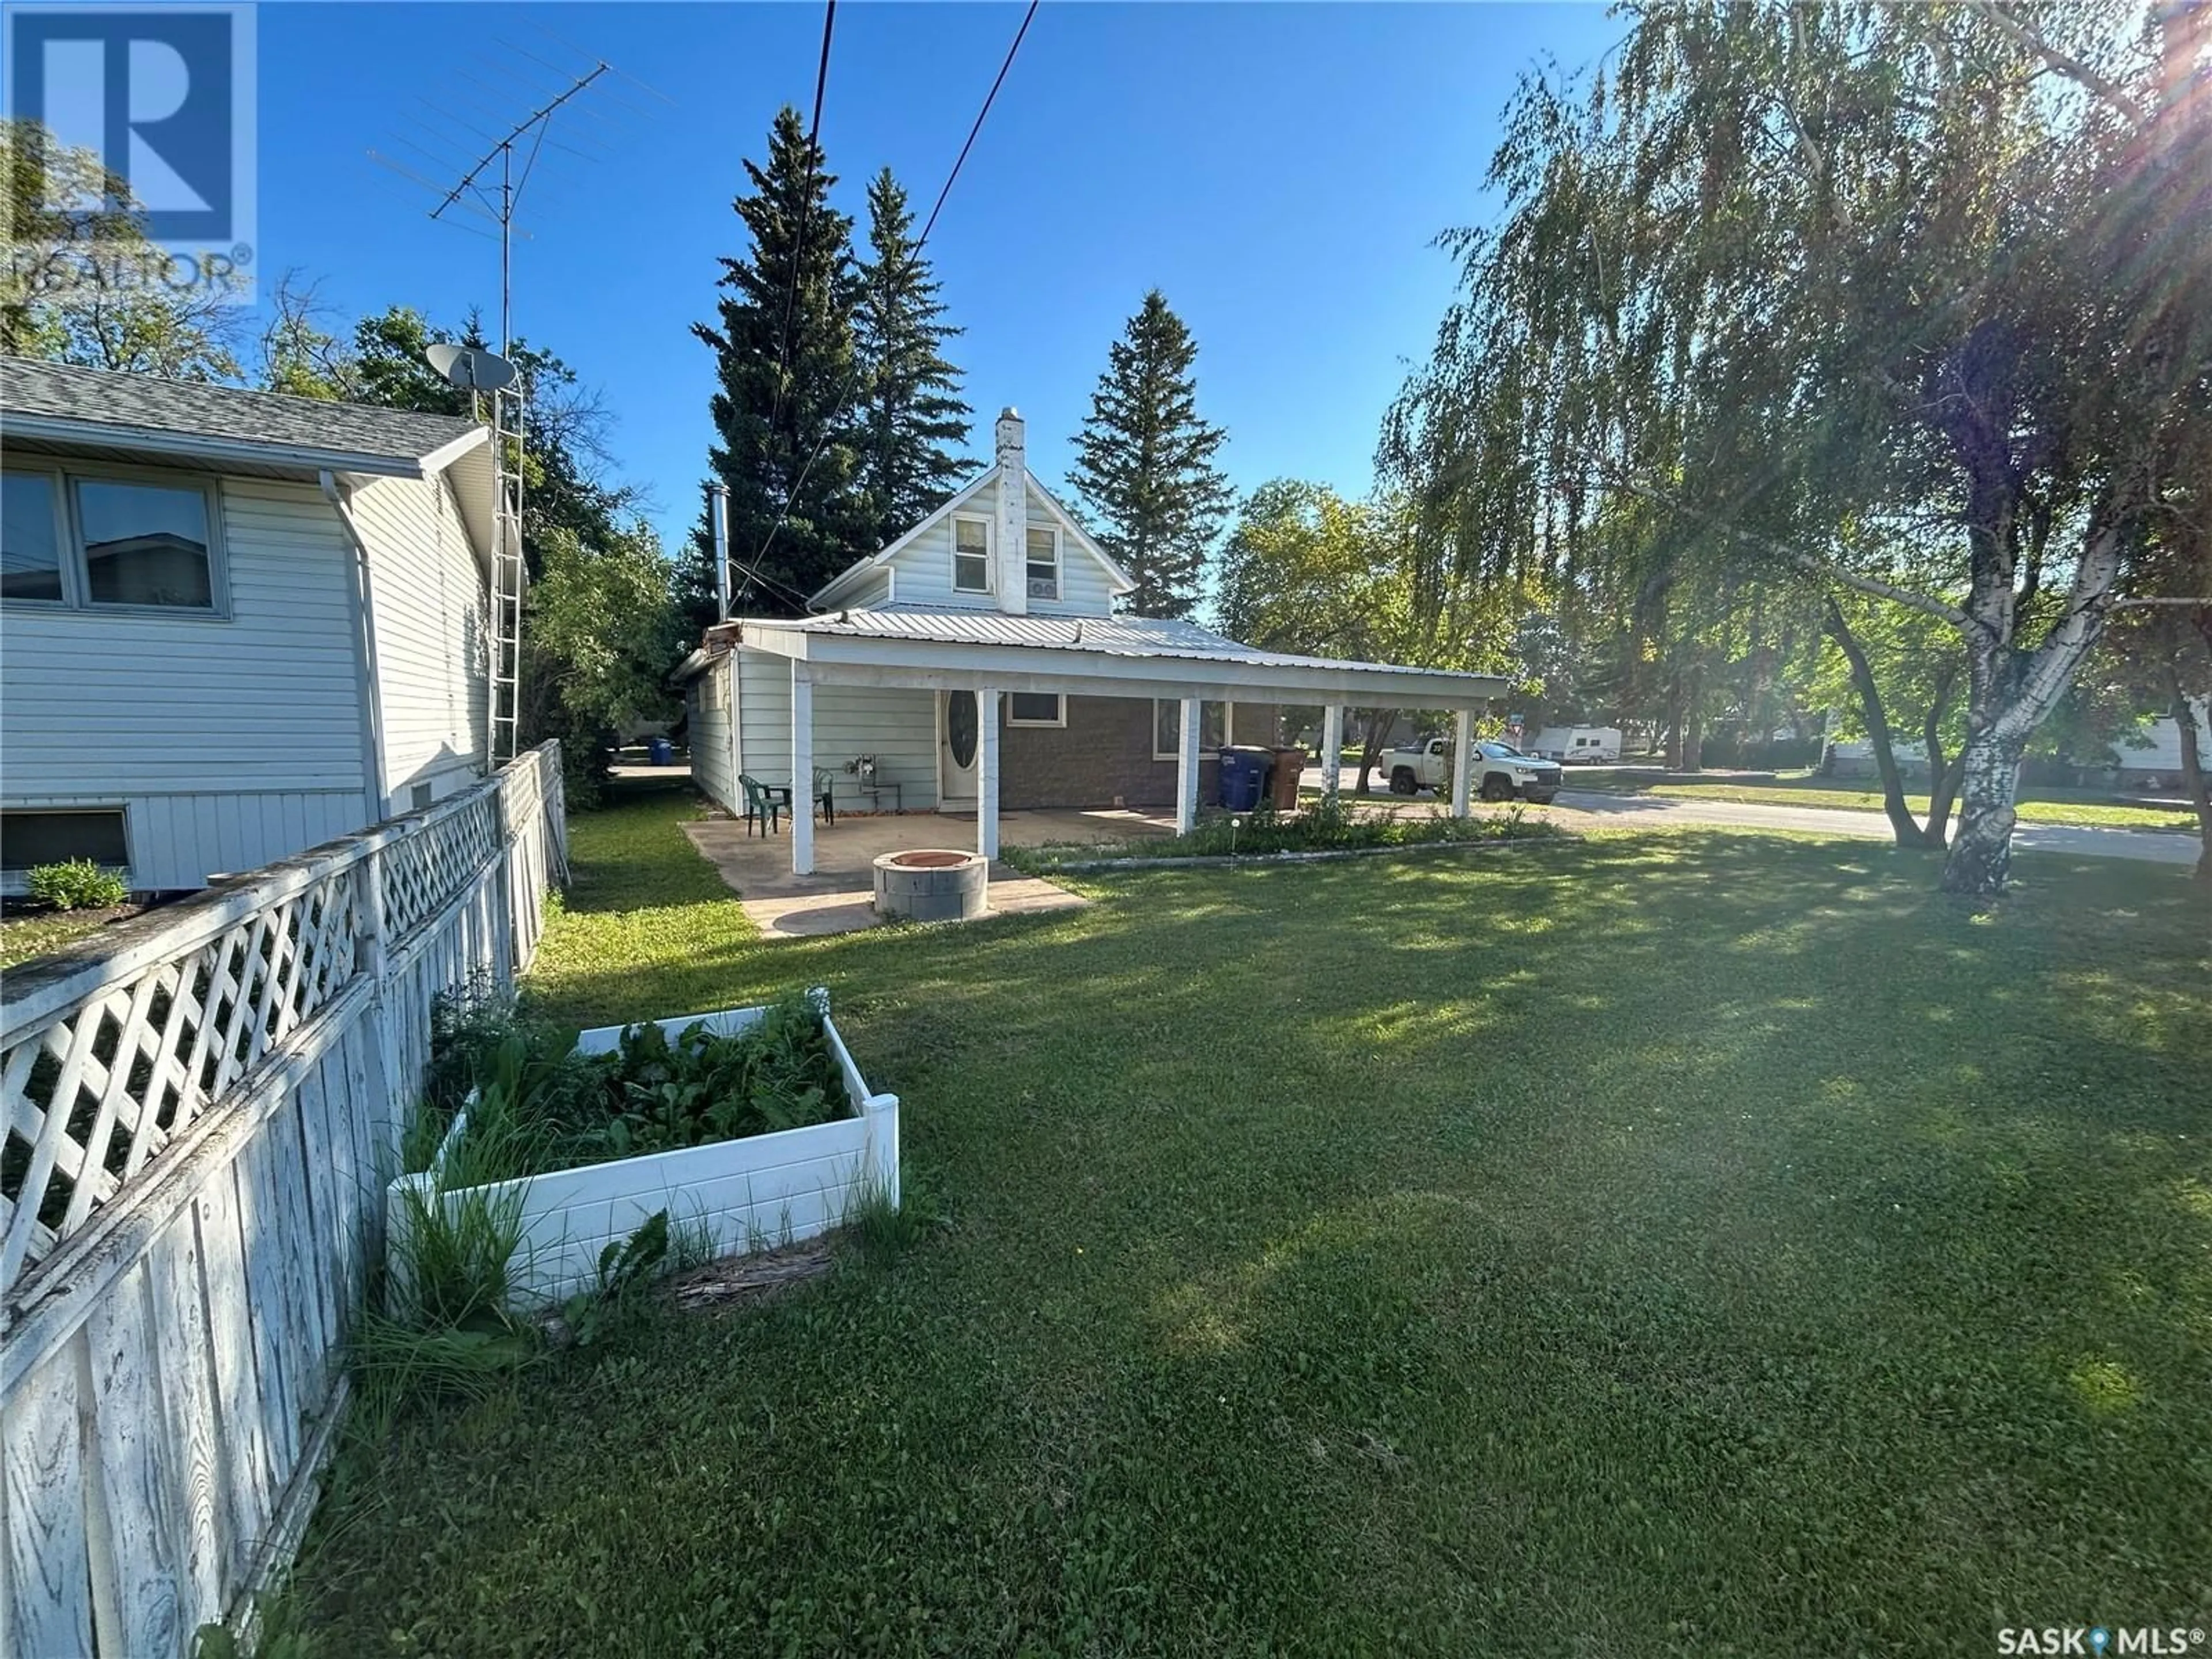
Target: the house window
(30, 537)
(971, 556)
(29, 839)
(101, 539)
(1043, 561)
(1036, 708)
(1214, 726)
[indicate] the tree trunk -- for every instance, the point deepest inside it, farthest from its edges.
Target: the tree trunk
(1902, 823)
(1943, 777)
(1981, 856)
(1693, 733)
(2192, 773)
(1378, 726)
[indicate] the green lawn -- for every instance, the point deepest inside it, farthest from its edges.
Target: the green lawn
(1701, 1244)
(2033, 807)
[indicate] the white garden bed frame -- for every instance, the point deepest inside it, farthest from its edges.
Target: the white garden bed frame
(755, 1193)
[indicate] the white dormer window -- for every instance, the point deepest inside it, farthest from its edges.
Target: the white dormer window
(971, 556)
(1043, 561)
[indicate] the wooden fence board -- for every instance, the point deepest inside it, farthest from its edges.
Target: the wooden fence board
(45, 1606)
(134, 1494)
(249, 1487)
(168, 1348)
(192, 1419)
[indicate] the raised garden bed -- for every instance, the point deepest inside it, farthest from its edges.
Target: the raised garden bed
(755, 1191)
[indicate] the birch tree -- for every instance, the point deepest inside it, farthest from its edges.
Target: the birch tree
(1823, 287)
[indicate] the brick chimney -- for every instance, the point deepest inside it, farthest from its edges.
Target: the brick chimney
(1012, 531)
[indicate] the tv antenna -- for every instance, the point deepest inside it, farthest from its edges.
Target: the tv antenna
(499, 200)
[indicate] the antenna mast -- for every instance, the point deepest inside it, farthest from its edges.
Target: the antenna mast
(509, 408)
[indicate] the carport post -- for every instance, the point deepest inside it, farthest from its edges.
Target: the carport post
(1187, 767)
(1332, 748)
(1462, 761)
(802, 773)
(987, 774)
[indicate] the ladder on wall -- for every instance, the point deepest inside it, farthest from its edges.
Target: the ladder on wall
(505, 655)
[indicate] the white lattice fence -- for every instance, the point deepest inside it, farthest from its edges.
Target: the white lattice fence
(201, 1111)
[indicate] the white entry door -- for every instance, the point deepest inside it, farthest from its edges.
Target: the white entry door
(957, 739)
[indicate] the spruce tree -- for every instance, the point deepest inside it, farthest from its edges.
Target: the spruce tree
(1144, 465)
(783, 409)
(912, 418)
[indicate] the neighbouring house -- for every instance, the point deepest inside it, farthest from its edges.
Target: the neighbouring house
(233, 624)
(2150, 757)
(977, 664)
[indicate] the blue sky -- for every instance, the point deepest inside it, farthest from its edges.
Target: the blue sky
(1279, 170)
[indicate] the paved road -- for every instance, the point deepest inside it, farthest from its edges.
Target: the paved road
(1593, 807)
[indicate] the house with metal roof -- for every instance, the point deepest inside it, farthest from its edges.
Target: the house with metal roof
(233, 624)
(976, 666)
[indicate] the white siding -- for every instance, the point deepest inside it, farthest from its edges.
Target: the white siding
(427, 595)
(924, 571)
(179, 841)
(228, 740)
(764, 685)
(1085, 589)
(2155, 746)
(707, 701)
(898, 727)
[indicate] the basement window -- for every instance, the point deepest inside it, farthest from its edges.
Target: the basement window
(971, 556)
(30, 838)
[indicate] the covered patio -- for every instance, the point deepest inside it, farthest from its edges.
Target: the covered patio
(993, 655)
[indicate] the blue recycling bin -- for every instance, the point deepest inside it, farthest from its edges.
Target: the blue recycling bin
(1244, 778)
(659, 751)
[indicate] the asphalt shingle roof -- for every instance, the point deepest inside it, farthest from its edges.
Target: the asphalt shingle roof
(142, 403)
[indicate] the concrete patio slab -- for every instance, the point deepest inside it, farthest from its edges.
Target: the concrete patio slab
(840, 895)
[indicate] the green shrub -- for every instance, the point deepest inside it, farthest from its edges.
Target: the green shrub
(78, 885)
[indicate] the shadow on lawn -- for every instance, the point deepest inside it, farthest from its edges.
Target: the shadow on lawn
(1701, 1244)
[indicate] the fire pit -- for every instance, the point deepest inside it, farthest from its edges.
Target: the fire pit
(933, 884)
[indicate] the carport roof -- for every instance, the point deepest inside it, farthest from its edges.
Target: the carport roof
(1154, 656)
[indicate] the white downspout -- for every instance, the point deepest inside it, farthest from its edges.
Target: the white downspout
(359, 594)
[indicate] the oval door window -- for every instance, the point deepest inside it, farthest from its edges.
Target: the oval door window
(960, 727)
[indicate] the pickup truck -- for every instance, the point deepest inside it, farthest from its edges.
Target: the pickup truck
(1501, 771)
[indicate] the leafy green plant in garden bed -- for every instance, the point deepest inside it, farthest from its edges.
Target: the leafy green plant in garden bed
(539, 1106)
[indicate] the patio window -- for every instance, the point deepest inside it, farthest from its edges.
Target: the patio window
(1214, 726)
(1036, 708)
(971, 556)
(1043, 561)
(104, 540)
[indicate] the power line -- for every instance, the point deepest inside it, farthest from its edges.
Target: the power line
(853, 384)
(988, 98)
(798, 239)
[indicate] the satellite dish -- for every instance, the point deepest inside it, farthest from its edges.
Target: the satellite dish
(472, 368)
